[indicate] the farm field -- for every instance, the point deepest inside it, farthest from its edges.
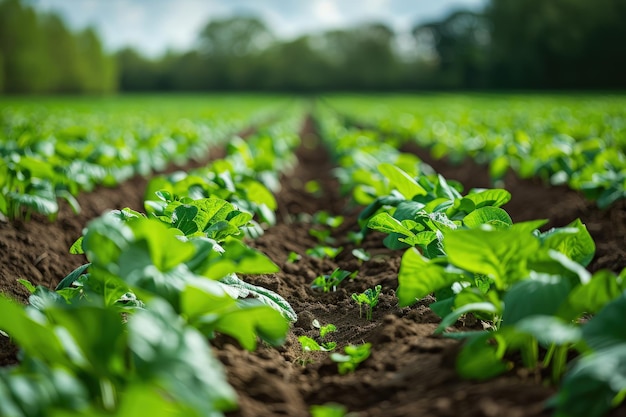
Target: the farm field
(291, 190)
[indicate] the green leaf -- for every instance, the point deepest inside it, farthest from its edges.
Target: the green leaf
(309, 345)
(541, 294)
(502, 254)
(498, 167)
(183, 219)
(243, 290)
(72, 276)
(494, 197)
(211, 211)
(549, 330)
(32, 332)
(480, 359)
(44, 203)
(237, 258)
(166, 251)
(71, 200)
(488, 215)
(418, 277)
(27, 284)
(245, 324)
(77, 247)
(606, 329)
(401, 181)
(574, 241)
(589, 389)
(98, 333)
(161, 345)
(201, 297)
(591, 297)
(385, 223)
(259, 194)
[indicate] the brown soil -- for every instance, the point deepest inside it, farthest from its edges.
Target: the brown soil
(410, 372)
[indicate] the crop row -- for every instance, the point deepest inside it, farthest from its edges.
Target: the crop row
(579, 141)
(48, 152)
(126, 332)
(529, 287)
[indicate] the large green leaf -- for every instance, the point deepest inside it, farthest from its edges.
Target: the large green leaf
(236, 258)
(400, 180)
(573, 240)
(385, 223)
(590, 388)
(32, 332)
(166, 251)
(502, 254)
(162, 346)
(591, 297)
(492, 197)
(540, 294)
(419, 277)
(480, 358)
(251, 321)
(488, 215)
(549, 330)
(606, 329)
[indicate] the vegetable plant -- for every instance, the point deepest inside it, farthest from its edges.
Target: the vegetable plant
(369, 298)
(330, 282)
(353, 355)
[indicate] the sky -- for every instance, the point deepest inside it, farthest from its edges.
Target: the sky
(154, 26)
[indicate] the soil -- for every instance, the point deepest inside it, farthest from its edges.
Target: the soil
(410, 373)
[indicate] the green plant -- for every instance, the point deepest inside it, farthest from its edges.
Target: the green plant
(322, 251)
(326, 283)
(328, 410)
(293, 257)
(370, 298)
(361, 254)
(354, 355)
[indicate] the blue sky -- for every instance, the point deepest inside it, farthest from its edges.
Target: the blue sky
(153, 26)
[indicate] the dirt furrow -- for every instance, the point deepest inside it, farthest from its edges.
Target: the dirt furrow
(410, 372)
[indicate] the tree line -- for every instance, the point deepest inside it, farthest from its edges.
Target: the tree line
(511, 44)
(39, 54)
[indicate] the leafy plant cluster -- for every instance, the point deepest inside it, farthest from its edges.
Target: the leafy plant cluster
(59, 148)
(579, 141)
(126, 333)
(247, 176)
(530, 286)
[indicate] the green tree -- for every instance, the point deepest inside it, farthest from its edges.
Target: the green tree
(460, 45)
(558, 43)
(233, 48)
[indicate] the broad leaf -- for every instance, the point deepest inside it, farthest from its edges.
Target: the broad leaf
(401, 181)
(418, 277)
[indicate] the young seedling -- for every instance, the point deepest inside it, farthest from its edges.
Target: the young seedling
(293, 257)
(328, 410)
(330, 282)
(355, 237)
(324, 218)
(322, 236)
(361, 255)
(370, 298)
(321, 251)
(354, 355)
(311, 345)
(324, 331)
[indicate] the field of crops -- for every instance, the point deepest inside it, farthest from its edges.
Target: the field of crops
(388, 255)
